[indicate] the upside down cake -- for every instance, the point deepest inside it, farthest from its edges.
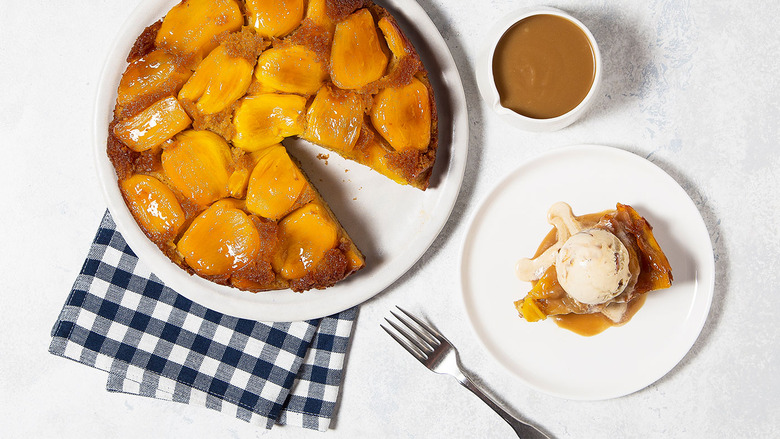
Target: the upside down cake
(209, 93)
(592, 272)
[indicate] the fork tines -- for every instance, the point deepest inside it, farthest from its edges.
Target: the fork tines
(419, 338)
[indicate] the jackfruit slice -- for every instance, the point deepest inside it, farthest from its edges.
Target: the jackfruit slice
(316, 12)
(153, 126)
(290, 69)
(155, 74)
(357, 56)
(334, 118)
(375, 154)
(154, 206)
(393, 37)
(197, 164)
(529, 310)
(219, 80)
(189, 28)
(220, 240)
(308, 233)
(402, 115)
(275, 185)
(274, 18)
(264, 120)
(243, 164)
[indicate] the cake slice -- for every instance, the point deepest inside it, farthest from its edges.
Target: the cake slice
(379, 92)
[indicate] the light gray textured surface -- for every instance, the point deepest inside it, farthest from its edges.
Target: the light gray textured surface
(688, 84)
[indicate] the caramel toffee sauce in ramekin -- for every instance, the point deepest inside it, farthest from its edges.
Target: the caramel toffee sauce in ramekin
(543, 66)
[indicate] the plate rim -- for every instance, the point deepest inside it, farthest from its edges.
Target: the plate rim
(709, 270)
(235, 302)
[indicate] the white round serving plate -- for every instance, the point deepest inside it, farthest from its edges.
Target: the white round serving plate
(393, 225)
(511, 222)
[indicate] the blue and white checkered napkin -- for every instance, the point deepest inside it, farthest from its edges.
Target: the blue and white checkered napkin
(122, 319)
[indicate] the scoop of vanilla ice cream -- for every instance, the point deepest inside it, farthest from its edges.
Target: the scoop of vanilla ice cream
(592, 266)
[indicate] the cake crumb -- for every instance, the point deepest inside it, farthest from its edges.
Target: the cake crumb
(323, 157)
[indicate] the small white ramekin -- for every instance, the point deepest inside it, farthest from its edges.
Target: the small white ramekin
(487, 85)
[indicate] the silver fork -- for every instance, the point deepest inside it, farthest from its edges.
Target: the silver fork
(437, 354)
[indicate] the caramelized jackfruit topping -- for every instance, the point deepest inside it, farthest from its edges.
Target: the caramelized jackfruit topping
(316, 12)
(191, 26)
(274, 18)
(153, 75)
(153, 205)
(308, 233)
(334, 118)
(258, 88)
(153, 126)
(530, 310)
(355, 260)
(264, 120)
(243, 164)
(275, 184)
(375, 154)
(393, 37)
(218, 81)
(220, 241)
(544, 288)
(357, 57)
(197, 164)
(232, 203)
(403, 116)
(656, 273)
(290, 69)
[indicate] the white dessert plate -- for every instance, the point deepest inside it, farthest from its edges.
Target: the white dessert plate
(393, 225)
(510, 224)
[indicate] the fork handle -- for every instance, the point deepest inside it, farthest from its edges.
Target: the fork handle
(522, 429)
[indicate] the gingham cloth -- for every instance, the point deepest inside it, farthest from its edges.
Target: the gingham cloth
(153, 342)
